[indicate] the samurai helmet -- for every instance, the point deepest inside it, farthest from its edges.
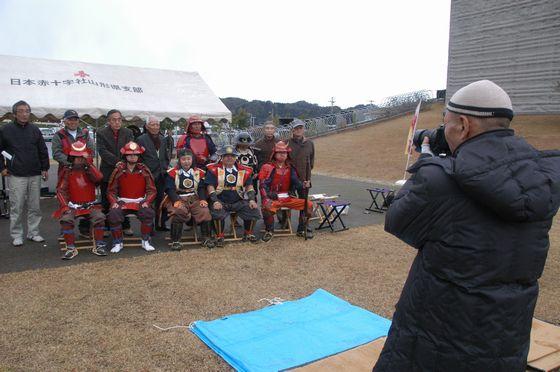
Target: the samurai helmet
(243, 138)
(79, 148)
(132, 148)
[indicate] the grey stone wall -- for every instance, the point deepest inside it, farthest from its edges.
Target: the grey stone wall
(515, 43)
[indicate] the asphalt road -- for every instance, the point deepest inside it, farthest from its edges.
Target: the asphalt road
(33, 255)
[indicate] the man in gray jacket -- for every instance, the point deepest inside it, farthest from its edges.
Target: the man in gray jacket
(25, 159)
(110, 140)
(156, 157)
(63, 139)
(62, 145)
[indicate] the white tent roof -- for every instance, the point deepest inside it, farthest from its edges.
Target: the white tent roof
(52, 87)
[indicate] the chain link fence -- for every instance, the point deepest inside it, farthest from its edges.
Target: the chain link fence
(389, 107)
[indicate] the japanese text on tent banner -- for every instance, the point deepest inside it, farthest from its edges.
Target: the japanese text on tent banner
(411, 130)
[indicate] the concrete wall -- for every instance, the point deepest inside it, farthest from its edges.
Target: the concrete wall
(515, 43)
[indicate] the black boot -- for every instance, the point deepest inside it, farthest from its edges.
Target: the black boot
(218, 228)
(176, 232)
(207, 240)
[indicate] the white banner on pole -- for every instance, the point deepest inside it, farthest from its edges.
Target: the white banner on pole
(409, 141)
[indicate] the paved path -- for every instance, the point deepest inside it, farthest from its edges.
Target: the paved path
(43, 255)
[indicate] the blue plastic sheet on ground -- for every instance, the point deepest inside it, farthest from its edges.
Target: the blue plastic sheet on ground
(291, 334)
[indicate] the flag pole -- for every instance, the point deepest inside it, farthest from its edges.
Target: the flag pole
(409, 144)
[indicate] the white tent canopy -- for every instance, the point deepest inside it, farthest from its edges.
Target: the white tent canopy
(52, 87)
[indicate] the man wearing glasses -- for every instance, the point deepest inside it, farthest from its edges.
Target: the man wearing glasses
(25, 159)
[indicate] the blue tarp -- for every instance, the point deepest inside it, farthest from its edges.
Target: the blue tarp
(291, 334)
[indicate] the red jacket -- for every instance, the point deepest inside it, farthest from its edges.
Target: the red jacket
(93, 178)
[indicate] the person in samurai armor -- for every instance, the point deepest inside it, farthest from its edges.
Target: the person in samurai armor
(278, 182)
(186, 199)
(198, 141)
(227, 184)
(76, 194)
(131, 190)
(246, 157)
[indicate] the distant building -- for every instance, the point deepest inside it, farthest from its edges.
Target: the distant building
(515, 43)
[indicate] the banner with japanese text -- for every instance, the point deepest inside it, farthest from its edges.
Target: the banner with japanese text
(52, 87)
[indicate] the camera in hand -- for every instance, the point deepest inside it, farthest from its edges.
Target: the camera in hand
(438, 143)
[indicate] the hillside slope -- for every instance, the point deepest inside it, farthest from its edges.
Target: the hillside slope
(376, 152)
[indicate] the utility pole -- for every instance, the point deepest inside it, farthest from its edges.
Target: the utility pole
(371, 102)
(332, 105)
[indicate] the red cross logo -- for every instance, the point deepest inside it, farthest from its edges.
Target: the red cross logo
(81, 74)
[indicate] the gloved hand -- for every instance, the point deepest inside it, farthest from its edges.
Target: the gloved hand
(273, 195)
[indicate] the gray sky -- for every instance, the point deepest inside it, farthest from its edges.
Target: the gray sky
(282, 51)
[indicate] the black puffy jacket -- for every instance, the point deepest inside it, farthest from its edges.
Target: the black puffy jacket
(480, 222)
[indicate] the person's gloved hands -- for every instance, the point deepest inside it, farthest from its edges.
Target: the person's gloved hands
(426, 147)
(273, 195)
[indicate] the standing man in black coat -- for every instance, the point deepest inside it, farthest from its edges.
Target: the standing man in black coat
(303, 159)
(157, 157)
(110, 140)
(479, 220)
(25, 160)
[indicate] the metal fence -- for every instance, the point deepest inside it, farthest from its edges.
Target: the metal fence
(390, 106)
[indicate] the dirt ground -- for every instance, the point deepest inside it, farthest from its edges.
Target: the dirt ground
(380, 147)
(100, 315)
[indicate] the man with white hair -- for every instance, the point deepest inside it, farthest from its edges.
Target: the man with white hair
(479, 220)
(156, 157)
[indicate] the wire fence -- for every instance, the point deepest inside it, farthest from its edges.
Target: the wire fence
(389, 107)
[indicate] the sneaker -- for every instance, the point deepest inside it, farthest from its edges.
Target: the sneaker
(249, 238)
(100, 249)
(36, 238)
(70, 254)
(209, 243)
(18, 242)
(128, 231)
(220, 242)
(147, 246)
(176, 246)
(117, 248)
(267, 236)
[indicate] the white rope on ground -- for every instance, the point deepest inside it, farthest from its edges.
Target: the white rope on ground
(273, 301)
(168, 328)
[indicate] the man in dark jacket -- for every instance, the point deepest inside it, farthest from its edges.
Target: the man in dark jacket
(479, 220)
(25, 159)
(265, 146)
(303, 157)
(110, 140)
(156, 157)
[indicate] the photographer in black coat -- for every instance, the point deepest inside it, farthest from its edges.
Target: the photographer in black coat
(479, 220)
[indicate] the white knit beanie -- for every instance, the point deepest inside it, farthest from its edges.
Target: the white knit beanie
(482, 98)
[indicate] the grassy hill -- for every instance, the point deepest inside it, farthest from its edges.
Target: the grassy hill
(380, 147)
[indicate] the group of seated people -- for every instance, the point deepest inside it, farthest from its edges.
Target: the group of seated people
(201, 196)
